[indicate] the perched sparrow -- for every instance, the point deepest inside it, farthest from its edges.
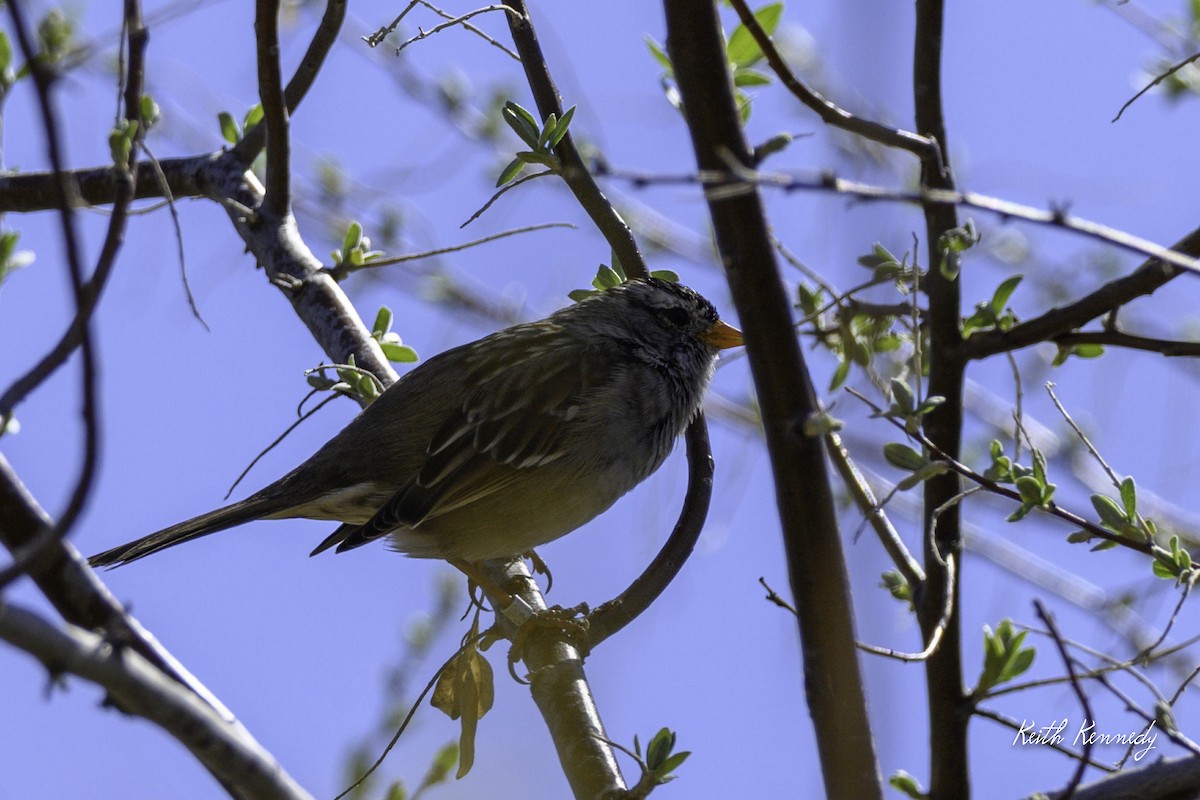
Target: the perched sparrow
(506, 443)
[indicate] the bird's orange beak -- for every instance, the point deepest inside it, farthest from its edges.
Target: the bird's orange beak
(722, 336)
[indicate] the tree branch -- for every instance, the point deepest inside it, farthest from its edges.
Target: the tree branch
(221, 744)
(1166, 347)
(948, 709)
(627, 606)
(322, 42)
(830, 113)
(278, 199)
(574, 172)
(1146, 279)
(816, 563)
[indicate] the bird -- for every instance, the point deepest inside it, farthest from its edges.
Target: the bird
(500, 445)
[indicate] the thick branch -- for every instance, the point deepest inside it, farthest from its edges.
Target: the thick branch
(322, 42)
(36, 191)
(619, 612)
(278, 199)
(574, 171)
(561, 690)
(831, 114)
(948, 710)
(1144, 280)
(1173, 779)
(816, 563)
(225, 748)
(1166, 347)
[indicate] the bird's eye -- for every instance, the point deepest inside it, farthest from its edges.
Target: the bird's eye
(676, 316)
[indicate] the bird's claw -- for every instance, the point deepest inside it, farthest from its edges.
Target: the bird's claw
(572, 623)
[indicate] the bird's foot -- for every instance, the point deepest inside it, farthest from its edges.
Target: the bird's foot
(570, 623)
(540, 567)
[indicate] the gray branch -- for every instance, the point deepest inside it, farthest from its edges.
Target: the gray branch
(137, 687)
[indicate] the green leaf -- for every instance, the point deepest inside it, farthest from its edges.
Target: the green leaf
(383, 322)
(522, 123)
(6, 52)
(606, 278)
(903, 457)
(673, 762)
(1109, 512)
(511, 171)
(659, 748)
(149, 111)
(742, 50)
(665, 275)
(547, 130)
(1163, 571)
(563, 124)
(840, 374)
(1030, 489)
(253, 116)
(907, 784)
(776, 144)
(1003, 292)
(352, 238)
(902, 394)
(1079, 537)
(579, 295)
(1088, 350)
(1020, 513)
(897, 586)
(930, 470)
(659, 54)
(750, 77)
(399, 353)
(1129, 497)
(229, 128)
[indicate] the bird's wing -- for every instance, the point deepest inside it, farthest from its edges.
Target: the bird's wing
(500, 432)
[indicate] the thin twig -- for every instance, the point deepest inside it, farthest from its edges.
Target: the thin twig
(452, 22)
(178, 225)
(408, 717)
(939, 630)
(995, 716)
(742, 179)
(1157, 80)
(996, 488)
(921, 146)
(872, 512)
(342, 270)
(302, 79)
(503, 189)
(279, 439)
(1048, 620)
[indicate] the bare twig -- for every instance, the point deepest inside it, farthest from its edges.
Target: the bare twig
(739, 181)
(996, 488)
(830, 113)
(1048, 620)
(277, 199)
(322, 42)
(452, 21)
(1162, 76)
(342, 270)
(229, 752)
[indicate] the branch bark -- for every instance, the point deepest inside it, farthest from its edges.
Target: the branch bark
(816, 563)
(949, 711)
(138, 687)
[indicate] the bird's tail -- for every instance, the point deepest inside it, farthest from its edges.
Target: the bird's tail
(253, 507)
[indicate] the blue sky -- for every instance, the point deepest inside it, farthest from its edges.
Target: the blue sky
(300, 648)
